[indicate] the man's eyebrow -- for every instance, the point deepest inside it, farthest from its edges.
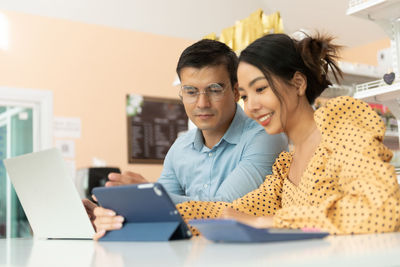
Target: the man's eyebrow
(189, 86)
(255, 80)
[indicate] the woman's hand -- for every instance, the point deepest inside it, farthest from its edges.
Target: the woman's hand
(106, 220)
(257, 222)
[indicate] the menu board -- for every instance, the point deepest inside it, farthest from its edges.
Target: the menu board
(153, 126)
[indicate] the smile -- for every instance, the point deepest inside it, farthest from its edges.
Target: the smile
(265, 119)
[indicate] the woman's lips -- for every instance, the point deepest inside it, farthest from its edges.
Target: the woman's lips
(265, 119)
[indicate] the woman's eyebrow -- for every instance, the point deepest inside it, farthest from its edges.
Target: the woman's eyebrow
(255, 80)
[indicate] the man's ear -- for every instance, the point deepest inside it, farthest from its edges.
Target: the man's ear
(236, 92)
(299, 81)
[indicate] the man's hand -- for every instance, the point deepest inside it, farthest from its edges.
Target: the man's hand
(125, 178)
(257, 222)
(106, 220)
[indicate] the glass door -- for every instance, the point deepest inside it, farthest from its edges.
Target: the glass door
(17, 132)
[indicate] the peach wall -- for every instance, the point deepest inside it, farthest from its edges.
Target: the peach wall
(365, 54)
(90, 69)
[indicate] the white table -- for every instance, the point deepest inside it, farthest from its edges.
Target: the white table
(361, 250)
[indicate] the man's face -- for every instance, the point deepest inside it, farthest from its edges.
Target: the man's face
(206, 113)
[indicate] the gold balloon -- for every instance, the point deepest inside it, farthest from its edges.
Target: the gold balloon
(211, 36)
(227, 37)
(249, 29)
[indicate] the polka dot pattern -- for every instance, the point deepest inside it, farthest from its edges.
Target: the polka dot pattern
(348, 186)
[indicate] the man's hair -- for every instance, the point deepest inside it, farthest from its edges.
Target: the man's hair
(206, 53)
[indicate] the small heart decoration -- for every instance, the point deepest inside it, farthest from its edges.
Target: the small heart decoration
(389, 78)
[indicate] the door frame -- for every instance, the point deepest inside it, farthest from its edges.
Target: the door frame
(40, 99)
(42, 103)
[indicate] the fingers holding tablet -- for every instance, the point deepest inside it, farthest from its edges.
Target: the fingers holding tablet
(106, 220)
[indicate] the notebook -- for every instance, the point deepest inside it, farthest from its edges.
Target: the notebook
(48, 196)
(226, 230)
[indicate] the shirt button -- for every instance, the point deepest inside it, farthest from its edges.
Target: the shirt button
(205, 185)
(210, 154)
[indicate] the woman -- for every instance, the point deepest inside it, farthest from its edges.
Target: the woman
(337, 178)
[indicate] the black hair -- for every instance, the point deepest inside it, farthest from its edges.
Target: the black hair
(209, 53)
(281, 56)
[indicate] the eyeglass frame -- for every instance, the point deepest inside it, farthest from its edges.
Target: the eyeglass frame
(198, 93)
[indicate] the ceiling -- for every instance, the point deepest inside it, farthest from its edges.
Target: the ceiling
(192, 19)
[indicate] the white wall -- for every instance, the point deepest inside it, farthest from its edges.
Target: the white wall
(192, 19)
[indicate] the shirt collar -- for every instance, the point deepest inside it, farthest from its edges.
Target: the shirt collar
(232, 135)
(234, 132)
(198, 141)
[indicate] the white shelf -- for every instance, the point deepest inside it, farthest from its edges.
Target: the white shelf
(355, 73)
(357, 69)
(391, 140)
(336, 90)
(377, 91)
(391, 134)
(374, 9)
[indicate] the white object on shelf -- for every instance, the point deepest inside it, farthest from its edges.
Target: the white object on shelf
(384, 58)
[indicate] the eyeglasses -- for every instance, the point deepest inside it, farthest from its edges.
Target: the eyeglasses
(190, 94)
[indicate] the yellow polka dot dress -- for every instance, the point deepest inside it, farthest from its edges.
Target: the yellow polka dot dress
(347, 187)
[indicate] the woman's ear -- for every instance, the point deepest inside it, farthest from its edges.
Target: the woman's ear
(299, 80)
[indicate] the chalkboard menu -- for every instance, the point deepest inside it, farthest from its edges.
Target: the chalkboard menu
(153, 126)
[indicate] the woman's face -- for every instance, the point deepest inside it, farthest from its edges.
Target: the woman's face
(261, 103)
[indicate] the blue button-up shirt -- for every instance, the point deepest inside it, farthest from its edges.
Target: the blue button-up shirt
(236, 165)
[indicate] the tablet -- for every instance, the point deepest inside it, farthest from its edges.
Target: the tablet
(150, 214)
(226, 230)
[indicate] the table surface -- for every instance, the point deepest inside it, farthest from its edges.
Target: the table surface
(359, 250)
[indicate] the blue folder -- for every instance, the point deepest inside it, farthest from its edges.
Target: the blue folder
(149, 213)
(224, 230)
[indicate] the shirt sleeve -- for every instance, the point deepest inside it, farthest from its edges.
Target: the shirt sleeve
(168, 178)
(265, 200)
(256, 162)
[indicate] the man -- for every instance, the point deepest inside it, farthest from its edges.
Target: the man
(227, 156)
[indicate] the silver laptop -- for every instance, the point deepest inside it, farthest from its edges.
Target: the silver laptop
(48, 196)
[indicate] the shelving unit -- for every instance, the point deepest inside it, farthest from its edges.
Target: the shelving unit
(353, 74)
(386, 13)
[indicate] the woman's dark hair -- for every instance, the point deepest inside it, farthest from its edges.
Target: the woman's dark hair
(209, 53)
(281, 56)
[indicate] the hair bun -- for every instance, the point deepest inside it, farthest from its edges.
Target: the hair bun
(319, 55)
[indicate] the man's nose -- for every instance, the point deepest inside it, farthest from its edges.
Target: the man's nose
(203, 100)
